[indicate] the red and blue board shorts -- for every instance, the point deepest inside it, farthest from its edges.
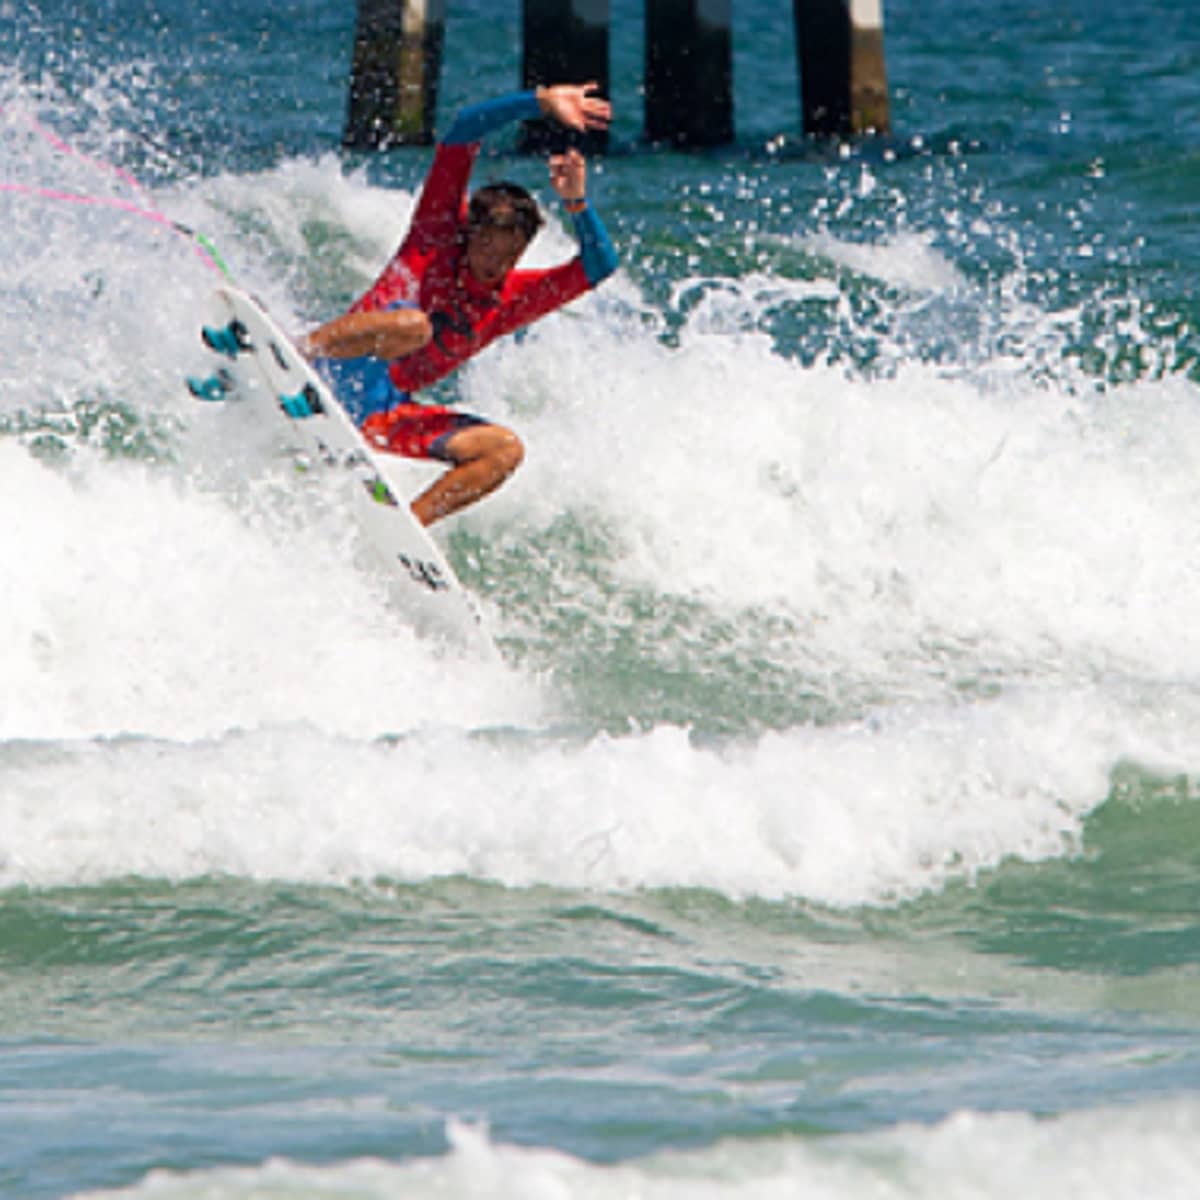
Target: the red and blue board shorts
(417, 430)
(390, 419)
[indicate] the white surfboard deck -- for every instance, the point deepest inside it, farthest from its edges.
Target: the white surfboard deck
(266, 370)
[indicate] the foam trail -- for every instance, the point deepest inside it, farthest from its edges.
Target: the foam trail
(870, 813)
(1109, 1154)
(142, 605)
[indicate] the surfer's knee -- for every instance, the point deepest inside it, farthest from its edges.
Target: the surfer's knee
(413, 325)
(509, 451)
(493, 446)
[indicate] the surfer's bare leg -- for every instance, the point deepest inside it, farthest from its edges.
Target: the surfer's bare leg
(382, 333)
(484, 456)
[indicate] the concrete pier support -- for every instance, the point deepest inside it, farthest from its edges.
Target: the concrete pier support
(689, 72)
(843, 75)
(394, 77)
(565, 41)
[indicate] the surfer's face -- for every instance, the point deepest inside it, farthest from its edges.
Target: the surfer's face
(493, 250)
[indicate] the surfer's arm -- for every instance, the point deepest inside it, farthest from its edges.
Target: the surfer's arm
(439, 211)
(572, 105)
(568, 177)
(532, 294)
(476, 120)
(596, 250)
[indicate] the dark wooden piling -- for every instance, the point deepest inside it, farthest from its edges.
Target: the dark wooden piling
(688, 69)
(394, 78)
(843, 76)
(689, 72)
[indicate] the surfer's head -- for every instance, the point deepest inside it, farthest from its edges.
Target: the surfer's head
(502, 220)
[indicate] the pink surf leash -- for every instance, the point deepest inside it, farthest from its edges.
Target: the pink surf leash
(203, 246)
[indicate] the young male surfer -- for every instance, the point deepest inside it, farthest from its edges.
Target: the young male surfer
(452, 288)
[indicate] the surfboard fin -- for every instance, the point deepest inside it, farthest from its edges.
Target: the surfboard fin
(305, 403)
(215, 387)
(230, 340)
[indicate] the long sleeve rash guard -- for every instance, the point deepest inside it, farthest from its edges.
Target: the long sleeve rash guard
(429, 269)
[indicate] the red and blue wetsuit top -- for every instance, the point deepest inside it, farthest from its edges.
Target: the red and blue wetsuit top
(429, 271)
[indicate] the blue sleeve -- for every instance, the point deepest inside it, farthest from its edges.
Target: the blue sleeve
(475, 120)
(595, 247)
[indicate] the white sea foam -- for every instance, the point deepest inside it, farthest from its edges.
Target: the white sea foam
(917, 540)
(136, 605)
(853, 814)
(1107, 1154)
(1034, 531)
(909, 260)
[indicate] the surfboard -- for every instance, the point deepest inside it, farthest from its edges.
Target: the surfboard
(255, 362)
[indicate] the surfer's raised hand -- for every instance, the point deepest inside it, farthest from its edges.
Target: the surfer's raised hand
(573, 105)
(568, 175)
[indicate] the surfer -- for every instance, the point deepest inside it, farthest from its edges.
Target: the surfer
(453, 287)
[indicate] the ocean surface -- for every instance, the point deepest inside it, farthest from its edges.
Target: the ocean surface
(831, 825)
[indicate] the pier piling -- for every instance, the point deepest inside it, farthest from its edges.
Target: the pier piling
(394, 76)
(689, 72)
(843, 76)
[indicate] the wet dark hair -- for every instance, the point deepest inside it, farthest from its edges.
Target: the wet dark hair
(504, 206)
